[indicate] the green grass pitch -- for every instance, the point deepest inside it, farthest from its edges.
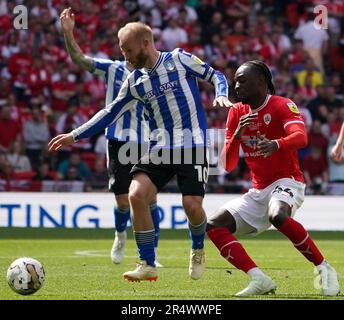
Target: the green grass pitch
(78, 266)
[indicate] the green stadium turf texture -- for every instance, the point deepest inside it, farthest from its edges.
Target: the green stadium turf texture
(78, 266)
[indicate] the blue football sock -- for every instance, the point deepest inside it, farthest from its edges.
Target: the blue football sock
(197, 234)
(121, 219)
(145, 245)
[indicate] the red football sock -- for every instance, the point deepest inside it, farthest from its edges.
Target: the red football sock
(301, 240)
(231, 249)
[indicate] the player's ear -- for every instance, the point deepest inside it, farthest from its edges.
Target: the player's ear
(145, 43)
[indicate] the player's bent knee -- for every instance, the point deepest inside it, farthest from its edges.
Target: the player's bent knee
(192, 207)
(122, 201)
(138, 197)
(278, 218)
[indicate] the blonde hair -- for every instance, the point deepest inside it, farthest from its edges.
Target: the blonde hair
(137, 30)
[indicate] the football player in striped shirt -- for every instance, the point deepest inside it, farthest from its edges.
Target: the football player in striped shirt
(166, 84)
(129, 127)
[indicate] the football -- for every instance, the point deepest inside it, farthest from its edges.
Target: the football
(25, 275)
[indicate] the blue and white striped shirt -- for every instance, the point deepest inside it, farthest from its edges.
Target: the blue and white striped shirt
(170, 95)
(129, 126)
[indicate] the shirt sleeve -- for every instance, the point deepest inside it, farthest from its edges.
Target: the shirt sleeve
(293, 125)
(197, 68)
(230, 152)
(106, 116)
(289, 113)
(102, 66)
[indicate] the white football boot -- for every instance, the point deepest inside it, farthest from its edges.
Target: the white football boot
(328, 279)
(142, 272)
(118, 247)
(157, 262)
(258, 285)
(197, 263)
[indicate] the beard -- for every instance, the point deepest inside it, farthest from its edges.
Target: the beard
(140, 60)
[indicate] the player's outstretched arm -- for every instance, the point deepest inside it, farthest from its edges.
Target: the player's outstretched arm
(203, 70)
(60, 141)
(67, 19)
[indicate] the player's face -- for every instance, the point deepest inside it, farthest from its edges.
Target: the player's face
(245, 84)
(133, 52)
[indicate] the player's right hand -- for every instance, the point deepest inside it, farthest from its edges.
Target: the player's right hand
(336, 153)
(244, 121)
(60, 141)
(67, 19)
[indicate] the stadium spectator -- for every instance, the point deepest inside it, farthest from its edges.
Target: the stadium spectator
(315, 171)
(114, 73)
(214, 27)
(97, 180)
(137, 45)
(310, 75)
(43, 173)
(316, 137)
(173, 36)
(76, 162)
(314, 105)
(6, 171)
(36, 136)
(70, 120)
(39, 78)
(9, 129)
(5, 90)
(236, 9)
(278, 192)
(17, 158)
(315, 41)
(62, 91)
(11, 48)
(20, 61)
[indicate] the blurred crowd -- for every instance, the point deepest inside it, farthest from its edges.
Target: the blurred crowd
(42, 93)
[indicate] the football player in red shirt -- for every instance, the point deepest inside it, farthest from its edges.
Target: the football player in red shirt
(269, 129)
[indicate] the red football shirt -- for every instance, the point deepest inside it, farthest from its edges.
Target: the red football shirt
(274, 116)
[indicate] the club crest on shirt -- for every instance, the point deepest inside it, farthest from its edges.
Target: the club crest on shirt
(267, 118)
(169, 65)
(293, 108)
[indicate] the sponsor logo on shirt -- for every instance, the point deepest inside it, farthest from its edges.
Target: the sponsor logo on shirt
(161, 90)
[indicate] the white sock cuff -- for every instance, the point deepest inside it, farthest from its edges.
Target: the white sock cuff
(255, 272)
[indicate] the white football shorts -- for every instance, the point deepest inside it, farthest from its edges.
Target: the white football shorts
(251, 210)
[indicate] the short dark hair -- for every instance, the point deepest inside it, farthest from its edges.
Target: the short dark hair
(262, 69)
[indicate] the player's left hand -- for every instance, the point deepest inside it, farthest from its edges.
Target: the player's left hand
(222, 101)
(60, 141)
(266, 146)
